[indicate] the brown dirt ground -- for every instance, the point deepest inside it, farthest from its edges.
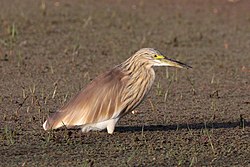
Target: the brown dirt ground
(49, 50)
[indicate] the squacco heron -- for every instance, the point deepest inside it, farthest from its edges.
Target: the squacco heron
(113, 94)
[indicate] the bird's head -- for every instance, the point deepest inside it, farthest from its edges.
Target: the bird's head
(155, 58)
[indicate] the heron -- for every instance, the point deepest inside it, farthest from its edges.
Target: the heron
(112, 95)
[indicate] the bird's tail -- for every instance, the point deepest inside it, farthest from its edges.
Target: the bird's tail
(54, 121)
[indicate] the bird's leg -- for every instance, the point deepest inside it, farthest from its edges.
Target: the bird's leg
(111, 125)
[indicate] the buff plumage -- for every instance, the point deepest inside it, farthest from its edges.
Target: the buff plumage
(111, 95)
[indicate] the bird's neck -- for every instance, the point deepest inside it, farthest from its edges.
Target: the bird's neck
(139, 70)
(141, 77)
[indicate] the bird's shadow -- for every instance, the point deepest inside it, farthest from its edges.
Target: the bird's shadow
(192, 126)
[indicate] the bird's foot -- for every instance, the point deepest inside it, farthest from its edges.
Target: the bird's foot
(135, 112)
(111, 125)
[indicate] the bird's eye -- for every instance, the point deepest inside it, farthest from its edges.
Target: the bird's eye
(155, 56)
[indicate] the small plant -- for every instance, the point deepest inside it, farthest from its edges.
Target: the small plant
(167, 73)
(54, 92)
(193, 161)
(208, 134)
(180, 162)
(212, 80)
(87, 21)
(46, 98)
(132, 155)
(32, 91)
(42, 93)
(24, 93)
(51, 68)
(47, 138)
(242, 122)
(65, 97)
(158, 89)
(152, 105)
(43, 8)
(192, 85)
(28, 109)
(20, 59)
(168, 89)
(142, 131)
(176, 74)
(85, 163)
(21, 105)
(9, 135)
(12, 31)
